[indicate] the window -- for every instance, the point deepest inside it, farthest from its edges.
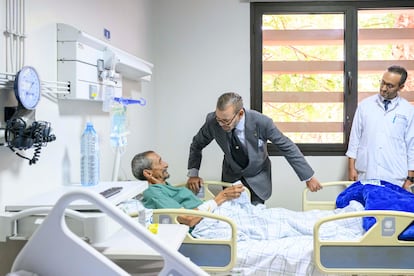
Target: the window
(313, 63)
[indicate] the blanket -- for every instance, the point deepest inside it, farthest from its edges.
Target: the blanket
(379, 195)
(277, 241)
(256, 222)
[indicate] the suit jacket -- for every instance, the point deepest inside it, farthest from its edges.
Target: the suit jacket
(258, 130)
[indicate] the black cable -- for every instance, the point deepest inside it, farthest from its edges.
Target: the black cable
(38, 138)
(18, 154)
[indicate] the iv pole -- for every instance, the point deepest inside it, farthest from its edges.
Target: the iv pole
(117, 163)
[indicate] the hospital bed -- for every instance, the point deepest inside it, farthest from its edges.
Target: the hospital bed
(54, 249)
(377, 251)
(214, 257)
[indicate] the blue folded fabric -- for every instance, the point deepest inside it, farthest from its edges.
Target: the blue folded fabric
(379, 195)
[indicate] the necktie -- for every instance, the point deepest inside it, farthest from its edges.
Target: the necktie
(237, 150)
(386, 103)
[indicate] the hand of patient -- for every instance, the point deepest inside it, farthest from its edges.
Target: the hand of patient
(229, 193)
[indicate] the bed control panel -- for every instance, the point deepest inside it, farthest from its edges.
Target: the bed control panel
(111, 191)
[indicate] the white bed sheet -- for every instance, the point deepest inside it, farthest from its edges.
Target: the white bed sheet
(277, 241)
(286, 256)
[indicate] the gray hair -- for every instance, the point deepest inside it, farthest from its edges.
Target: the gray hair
(141, 162)
(230, 98)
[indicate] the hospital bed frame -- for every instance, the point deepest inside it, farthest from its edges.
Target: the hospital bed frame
(200, 250)
(309, 204)
(210, 255)
(377, 252)
(54, 249)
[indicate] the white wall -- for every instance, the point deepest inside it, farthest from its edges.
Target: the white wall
(200, 49)
(129, 23)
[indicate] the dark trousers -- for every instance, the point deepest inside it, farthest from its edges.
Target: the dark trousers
(254, 198)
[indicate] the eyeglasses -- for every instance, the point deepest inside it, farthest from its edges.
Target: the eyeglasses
(388, 85)
(226, 122)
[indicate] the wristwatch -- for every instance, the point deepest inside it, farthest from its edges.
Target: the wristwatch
(410, 178)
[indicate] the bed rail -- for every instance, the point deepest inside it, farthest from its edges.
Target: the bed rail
(55, 250)
(308, 204)
(379, 251)
(211, 255)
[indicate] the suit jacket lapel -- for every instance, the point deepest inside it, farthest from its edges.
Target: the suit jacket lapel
(250, 134)
(222, 139)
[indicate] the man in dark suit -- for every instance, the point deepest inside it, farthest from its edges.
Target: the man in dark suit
(242, 135)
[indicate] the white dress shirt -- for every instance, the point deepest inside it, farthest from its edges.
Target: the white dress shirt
(239, 131)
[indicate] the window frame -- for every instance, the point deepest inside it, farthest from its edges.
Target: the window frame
(350, 10)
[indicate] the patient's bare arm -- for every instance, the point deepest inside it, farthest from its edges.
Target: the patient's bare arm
(229, 193)
(189, 220)
(224, 195)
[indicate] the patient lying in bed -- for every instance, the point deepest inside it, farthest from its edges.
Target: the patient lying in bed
(253, 222)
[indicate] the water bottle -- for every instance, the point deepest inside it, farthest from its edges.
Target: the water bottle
(145, 217)
(144, 214)
(89, 156)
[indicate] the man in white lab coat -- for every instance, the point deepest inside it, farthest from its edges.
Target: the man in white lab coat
(381, 144)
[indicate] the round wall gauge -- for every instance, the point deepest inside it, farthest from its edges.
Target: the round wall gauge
(27, 87)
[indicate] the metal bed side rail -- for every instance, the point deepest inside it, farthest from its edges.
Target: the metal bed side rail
(229, 246)
(39, 255)
(378, 251)
(22, 224)
(9, 221)
(308, 204)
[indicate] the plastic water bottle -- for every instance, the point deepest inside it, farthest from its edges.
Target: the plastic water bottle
(89, 156)
(144, 214)
(145, 217)
(140, 209)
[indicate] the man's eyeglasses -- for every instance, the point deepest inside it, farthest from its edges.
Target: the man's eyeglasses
(226, 122)
(388, 85)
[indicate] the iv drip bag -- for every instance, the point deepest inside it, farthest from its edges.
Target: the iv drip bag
(119, 126)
